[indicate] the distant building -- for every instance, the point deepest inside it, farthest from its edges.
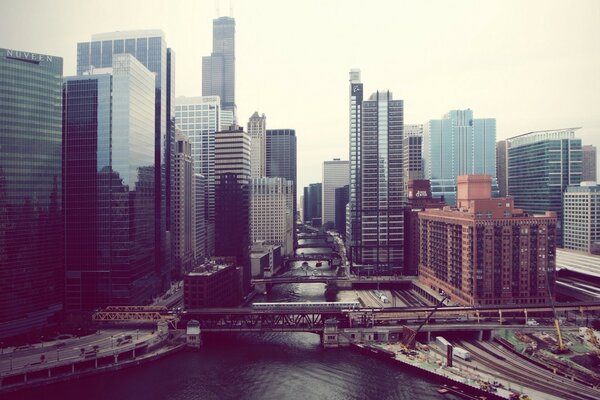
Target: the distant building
(257, 126)
(502, 168)
(412, 144)
(486, 251)
(341, 201)
(588, 172)
(581, 206)
(271, 209)
(232, 198)
(201, 250)
(312, 202)
(109, 186)
(211, 285)
(418, 199)
(455, 145)
(31, 225)
(335, 175)
(540, 167)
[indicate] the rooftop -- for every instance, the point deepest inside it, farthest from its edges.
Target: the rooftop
(576, 261)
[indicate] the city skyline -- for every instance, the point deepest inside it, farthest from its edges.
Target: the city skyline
(493, 68)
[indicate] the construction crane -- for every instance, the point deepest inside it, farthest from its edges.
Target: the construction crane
(410, 341)
(561, 348)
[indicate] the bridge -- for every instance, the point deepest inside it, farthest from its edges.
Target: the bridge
(313, 236)
(316, 245)
(301, 279)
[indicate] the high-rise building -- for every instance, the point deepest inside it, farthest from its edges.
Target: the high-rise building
(341, 201)
(413, 152)
(109, 187)
(31, 228)
(312, 202)
(232, 198)
(149, 48)
(581, 207)
(257, 126)
(271, 210)
(199, 118)
(354, 207)
(540, 167)
(485, 251)
(381, 187)
(588, 173)
(281, 160)
(335, 175)
(218, 69)
(502, 168)
(456, 145)
(184, 207)
(201, 250)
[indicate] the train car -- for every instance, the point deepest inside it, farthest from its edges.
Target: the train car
(334, 306)
(461, 353)
(442, 343)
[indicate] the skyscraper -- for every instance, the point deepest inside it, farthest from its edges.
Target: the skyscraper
(581, 206)
(201, 250)
(109, 187)
(31, 227)
(218, 69)
(502, 168)
(354, 207)
(149, 48)
(341, 201)
(413, 152)
(382, 188)
(540, 167)
(312, 202)
(199, 118)
(335, 175)
(458, 145)
(232, 198)
(257, 126)
(588, 172)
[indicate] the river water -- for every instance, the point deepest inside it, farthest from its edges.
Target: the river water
(253, 366)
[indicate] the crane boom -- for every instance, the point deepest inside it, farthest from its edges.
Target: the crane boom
(409, 342)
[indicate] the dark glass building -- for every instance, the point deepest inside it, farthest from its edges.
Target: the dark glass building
(149, 48)
(31, 278)
(109, 187)
(312, 202)
(342, 196)
(218, 69)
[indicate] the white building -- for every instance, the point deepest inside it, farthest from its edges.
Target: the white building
(336, 174)
(257, 127)
(581, 214)
(271, 212)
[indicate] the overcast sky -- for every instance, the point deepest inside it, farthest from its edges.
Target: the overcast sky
(532, 65)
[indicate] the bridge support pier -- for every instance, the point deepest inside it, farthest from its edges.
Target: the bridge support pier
(330, 335)
(428, 337)
(480, 335)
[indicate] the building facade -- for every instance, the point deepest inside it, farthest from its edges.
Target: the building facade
(486, 251)
(218, 69)
(257, 126)
(581, 207)
(109, 187)
(199, 118)
(456, 145)
(336, 174)
(211, 285)
(312, 202)
(412, 148)
(342, 196)
(201, 249)
(540, 167)
(588, 172)
(502, 168)
(271, 211)
(31, 228)
(149, 48)
(354, 201)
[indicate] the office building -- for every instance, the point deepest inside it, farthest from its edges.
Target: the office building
(354, 207)
(218, 69)
(266, 259)
(342, 197)
(581, 207)
(456, 145)
(109, 187)
(199, 118)
(271, 211)
(257, 126)
(485, 251)
(540, 167)
(184, 207)
(149, 48)
(232, 198)
(335, 175)
(312, 202)
(418, 199)
(31, 228)
(588, 172)
(502, 168)
(201, 250)
(412, 144)
(211, 285)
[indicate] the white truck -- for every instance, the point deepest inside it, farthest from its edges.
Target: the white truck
(461, 353)
(532, 322)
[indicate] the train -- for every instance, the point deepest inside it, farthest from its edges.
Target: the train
(333, 306)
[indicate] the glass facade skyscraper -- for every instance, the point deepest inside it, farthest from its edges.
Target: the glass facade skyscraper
(218, 69)
(354, 200)
(109, 187)
(458, 145)
(149, 48)
(31, 274)
(540, 167)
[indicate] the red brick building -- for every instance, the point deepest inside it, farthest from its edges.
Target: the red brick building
(485, 251)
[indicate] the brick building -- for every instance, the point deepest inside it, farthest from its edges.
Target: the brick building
(212, 286)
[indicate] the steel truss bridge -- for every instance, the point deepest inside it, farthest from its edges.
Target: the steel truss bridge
(133, 314)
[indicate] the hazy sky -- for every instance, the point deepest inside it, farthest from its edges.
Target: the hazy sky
(532, 65)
